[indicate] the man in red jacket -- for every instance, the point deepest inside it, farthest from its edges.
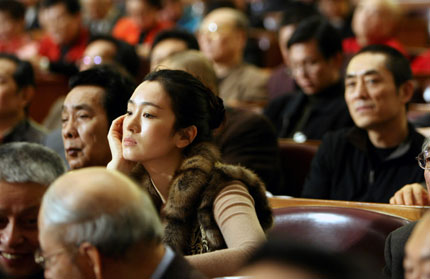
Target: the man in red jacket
(65, 39)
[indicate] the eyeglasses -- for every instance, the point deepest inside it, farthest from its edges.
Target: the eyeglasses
(89, 60)
(424, 160)
(42, 260)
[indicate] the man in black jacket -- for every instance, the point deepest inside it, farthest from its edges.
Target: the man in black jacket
(315, 60)
(371, 161)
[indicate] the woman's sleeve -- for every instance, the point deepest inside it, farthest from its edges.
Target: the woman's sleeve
(235, 215)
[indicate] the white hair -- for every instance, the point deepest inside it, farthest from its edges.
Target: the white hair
(112, 232)
(23, 162)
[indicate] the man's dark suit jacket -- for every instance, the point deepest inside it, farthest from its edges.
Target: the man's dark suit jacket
(179, 268)
(395, 251)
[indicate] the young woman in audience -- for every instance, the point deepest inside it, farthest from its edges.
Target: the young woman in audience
(216, 214)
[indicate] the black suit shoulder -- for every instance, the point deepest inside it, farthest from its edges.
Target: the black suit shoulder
(394, 251)
(179, 268)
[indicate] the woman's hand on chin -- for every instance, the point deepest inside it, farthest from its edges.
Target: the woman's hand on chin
(118, 162)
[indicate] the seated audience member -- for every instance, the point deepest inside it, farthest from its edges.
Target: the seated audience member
(373, 160)
(169, 42)
(101, 50)
(214, 213)
(105, 49)
(281, 80)
(245, 138)
(97, 97)
(417, 250)
(104, 226)
(100, 16)
(294, 260)
(416, 193)
(16, 91)
(222, 37)
(182, 14)
(13, 37)
(141, 24)
(315, 60)
(65, 39)
(374, 22)
(339, 13)
(26, 170)
(31, 14)
(413, 194)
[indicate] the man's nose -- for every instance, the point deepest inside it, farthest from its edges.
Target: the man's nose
(69, 129)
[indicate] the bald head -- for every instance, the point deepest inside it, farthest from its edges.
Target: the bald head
(374, 20)
(222, 35)
(195, 63)
(417, 250)
(102, 207)
(95, 191)
(228, 16)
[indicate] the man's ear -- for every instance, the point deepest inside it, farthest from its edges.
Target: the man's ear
(27, 94)
(406, 91)
(94, 258)
(186, 136)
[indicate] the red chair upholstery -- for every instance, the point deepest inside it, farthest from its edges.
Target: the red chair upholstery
(338, 229)
(296, 160)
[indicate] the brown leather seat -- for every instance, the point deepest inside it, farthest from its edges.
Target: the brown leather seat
(296, 160)
(338, 229)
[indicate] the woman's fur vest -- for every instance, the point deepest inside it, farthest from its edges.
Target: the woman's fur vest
(195, 185)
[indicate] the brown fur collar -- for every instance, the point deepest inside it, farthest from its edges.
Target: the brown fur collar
(194, 188)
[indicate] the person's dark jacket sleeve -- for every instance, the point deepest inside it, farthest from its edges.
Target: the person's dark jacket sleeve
(318, 181)
(395, 251)
(275, 109)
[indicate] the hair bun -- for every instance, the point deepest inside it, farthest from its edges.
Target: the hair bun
(217, 112)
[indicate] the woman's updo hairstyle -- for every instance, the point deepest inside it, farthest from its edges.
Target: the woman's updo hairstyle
(192, 102)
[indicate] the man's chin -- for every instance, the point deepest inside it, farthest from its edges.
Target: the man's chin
(75, 164)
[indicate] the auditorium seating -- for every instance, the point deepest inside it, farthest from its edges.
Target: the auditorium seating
(410, 213)
(295, 163)
(339, 229)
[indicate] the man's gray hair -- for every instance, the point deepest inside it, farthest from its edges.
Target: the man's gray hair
(112, 232)
(24, 162)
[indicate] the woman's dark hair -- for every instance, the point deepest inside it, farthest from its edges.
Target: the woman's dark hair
(192, 102)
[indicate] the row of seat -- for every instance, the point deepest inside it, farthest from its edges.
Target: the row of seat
(341, 226)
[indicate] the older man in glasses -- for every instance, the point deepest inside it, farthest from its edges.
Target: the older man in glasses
(26, 170)
(395, 244)
(96, 223)
(222, 37)
(416, 193)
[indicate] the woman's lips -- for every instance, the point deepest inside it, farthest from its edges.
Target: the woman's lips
(129, 142)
